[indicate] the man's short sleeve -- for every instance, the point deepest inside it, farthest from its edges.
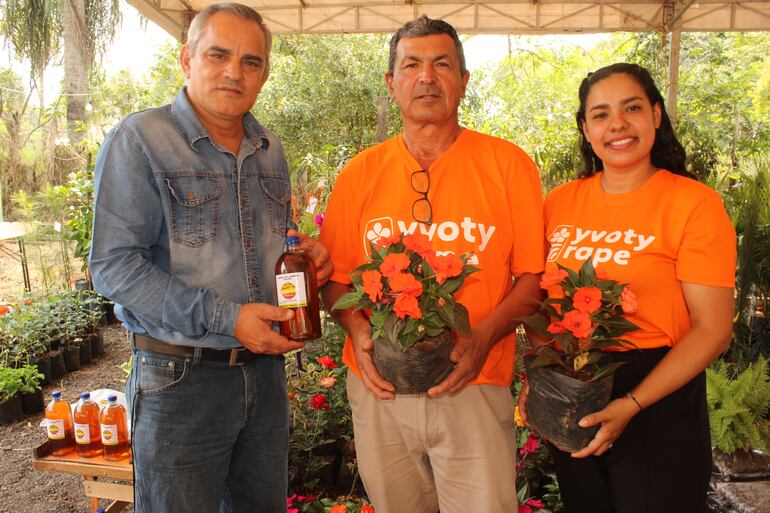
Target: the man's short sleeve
(526, 209)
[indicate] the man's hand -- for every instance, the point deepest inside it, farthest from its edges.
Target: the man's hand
(469, 355)
(318, 253)
(254, 330)
(363, 346)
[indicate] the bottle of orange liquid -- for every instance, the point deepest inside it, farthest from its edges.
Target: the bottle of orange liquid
(297, 290)
(87, 431)
(59, 425)
(114, 431)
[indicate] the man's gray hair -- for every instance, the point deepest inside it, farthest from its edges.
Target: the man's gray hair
(424, 26)
(201, 20)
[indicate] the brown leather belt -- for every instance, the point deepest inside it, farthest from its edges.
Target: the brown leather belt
(237, 356)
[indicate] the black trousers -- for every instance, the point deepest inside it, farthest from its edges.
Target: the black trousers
(660, 464)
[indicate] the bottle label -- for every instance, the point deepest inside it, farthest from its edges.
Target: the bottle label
(110, 434)
(55, 429)
(82, 434)
(291, 290)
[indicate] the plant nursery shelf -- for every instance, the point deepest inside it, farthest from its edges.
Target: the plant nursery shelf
(92, 469)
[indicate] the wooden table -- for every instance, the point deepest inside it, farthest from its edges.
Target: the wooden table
(120, 494)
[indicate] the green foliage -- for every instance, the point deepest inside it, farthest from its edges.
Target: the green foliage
(11, 382)
(31, 378)
(737, 406)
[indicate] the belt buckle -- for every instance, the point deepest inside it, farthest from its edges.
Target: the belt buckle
(234, 357)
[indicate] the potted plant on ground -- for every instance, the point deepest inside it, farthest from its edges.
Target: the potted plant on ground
(569, 375)
(32, 400)
(407, 290)
(10, 398)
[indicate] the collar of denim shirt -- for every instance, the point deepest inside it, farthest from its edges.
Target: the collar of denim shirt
(190, 125)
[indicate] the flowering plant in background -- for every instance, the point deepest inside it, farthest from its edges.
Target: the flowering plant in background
(408, 290)
(585, 317)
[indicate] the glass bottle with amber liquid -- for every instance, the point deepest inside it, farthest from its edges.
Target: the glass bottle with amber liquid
(114, 431)
(59, 427)
(297, 290)
(87, 430)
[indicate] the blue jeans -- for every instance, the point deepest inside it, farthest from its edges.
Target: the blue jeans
(206, 437)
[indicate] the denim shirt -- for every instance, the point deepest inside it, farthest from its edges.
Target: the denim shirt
(185, 231)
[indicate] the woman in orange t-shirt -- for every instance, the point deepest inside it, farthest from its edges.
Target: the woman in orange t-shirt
(644, 220)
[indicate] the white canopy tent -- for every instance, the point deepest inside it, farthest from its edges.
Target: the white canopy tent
(490, 17)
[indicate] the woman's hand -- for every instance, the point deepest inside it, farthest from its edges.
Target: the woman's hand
(613, 419)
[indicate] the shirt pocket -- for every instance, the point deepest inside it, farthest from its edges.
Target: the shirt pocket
(194, 203)
(278, 195)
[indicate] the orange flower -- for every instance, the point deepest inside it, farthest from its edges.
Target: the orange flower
(551, 278)
(407, 305)
(384, 242)
(4, 309)
(418, 243)
(445, 266)
(366, 508)
(601, 273)
(579, 323)
(372, 282)
(556, 327)
(338, 508)
(394, 263)
(587, 299)
(628, 301)
(406, 283)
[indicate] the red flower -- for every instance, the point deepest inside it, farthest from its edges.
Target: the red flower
(555, 327)
(319, 402)
(579, 323)
(338, 508)
(407, 305)
(366, 508)
(394, 263)
(372, 282)
(551, 278)
(524, 508)
(445, 266)
(587, 299)
(406, 283)
(530, 445)
(628, 301)
(418, 243)
(326, 361)
(536, 503)
(4, 309)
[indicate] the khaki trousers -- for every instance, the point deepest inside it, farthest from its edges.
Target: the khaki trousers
(421, 455)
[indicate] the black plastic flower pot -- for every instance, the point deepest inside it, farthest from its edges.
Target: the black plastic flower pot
(414, 371)
(58, 368)
(85, 351)
(97, 343)
(43, 364)
(72, 357)
(33, 402)
(10, 410)
(557, 402)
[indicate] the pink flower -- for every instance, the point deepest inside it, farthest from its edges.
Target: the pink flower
(319, 402)
(579, 323)
(319, 220)
(551, 278)
(628, 301)
(536, 503)
(327, 382)
(530, 445)
(327, 362)
(587, 299)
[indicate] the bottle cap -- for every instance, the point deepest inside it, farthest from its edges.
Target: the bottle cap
(112, 398)
(56, 394)
(100, 510)
(292, 239)
(85, 395)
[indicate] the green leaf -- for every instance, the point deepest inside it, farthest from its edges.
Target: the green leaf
(347, 300)
(393, 326)
(463, 326)
(605, 371)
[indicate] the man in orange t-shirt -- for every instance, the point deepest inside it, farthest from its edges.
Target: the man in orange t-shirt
(452, 449)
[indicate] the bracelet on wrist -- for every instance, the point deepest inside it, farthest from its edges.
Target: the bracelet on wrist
(630, 396)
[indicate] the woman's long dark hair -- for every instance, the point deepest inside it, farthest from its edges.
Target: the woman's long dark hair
(667, 152)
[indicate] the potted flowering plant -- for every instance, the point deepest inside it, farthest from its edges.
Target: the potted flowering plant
(408, 290)
(570, 375)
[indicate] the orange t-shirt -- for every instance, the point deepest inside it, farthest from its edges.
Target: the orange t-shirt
(671, 230)
(486, 199)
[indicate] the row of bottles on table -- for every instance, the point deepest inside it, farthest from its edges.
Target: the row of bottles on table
(88, 431)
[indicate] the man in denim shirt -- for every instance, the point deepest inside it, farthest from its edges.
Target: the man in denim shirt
(192, 206)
